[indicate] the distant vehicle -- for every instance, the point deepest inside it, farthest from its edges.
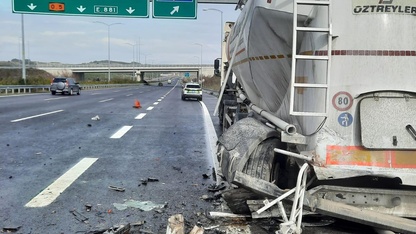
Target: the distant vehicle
(65, 85)
(169, 81)
(192, 90)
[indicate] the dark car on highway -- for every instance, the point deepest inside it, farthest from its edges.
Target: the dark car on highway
(65, 85)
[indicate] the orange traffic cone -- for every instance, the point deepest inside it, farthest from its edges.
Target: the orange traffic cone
(137, 104)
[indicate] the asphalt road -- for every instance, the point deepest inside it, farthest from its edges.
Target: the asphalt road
(61, 171)
(46, 138)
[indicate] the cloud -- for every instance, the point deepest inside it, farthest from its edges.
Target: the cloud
(61, 34)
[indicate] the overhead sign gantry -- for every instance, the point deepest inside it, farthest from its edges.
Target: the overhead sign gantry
(172, 9)
(125, 8)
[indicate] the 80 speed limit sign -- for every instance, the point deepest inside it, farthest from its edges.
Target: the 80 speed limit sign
(342, 101)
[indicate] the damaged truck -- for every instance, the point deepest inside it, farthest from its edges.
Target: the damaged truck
(318, 108)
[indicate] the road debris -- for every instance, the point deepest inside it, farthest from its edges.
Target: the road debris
(88, 207)
(176, 225)
(149, 179)
(197, 230)
(142, 205)
(11, 229)
(119, 229)
(79, 216)
(205, 176)
(95, 118)
(115, 188)
(217, 187)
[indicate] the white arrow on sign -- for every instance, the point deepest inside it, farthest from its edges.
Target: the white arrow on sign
(31, 6)
(175, 9)
(81, 8)
(130, 10)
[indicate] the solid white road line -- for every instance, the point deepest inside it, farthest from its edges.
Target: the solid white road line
(140, 116)
(48, 99)
(106, 100)
(150, 108)
(34, 116)
(121, 132)
(211, 138)
(48, 195)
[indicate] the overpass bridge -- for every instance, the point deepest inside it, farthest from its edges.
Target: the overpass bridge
(139, 70)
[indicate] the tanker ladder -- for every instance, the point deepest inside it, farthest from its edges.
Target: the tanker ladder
(318, 200)
(294, 85)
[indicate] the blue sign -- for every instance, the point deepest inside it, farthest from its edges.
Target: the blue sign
(345, 119)
(186, 74)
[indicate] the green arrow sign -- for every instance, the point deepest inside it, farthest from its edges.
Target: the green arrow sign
(178, 9)
(125, 8)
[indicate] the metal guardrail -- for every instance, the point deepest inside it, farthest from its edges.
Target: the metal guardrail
(63, 66)
(18, 89)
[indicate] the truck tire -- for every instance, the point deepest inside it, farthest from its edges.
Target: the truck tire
(248, 146)
(262, 164)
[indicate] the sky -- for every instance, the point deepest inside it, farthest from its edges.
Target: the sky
(77, 39)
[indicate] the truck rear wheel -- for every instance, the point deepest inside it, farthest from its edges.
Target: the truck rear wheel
(248, 136)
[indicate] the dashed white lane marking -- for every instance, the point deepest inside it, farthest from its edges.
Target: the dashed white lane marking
(159, 100)
(128, 95)
(121, 132)
(34, 116)
(155, 103)
(150, 108)
(106, 100)
(48, 195)
(48, 99)
(140, 116)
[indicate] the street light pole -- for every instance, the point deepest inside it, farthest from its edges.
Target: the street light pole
(221, 26)
(23, 52)
(108, 40)
(199, 64)
(134, 72)
(200, 75)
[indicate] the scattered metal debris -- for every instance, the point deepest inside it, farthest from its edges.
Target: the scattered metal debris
(217, 187)
(149, 179)
(11, 229)
(119, 189)
(88, 207)
(79, 216)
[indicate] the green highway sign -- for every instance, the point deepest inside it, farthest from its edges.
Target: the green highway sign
(125, 8)
(174, 9)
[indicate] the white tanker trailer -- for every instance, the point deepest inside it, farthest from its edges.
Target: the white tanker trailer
(318, 105)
